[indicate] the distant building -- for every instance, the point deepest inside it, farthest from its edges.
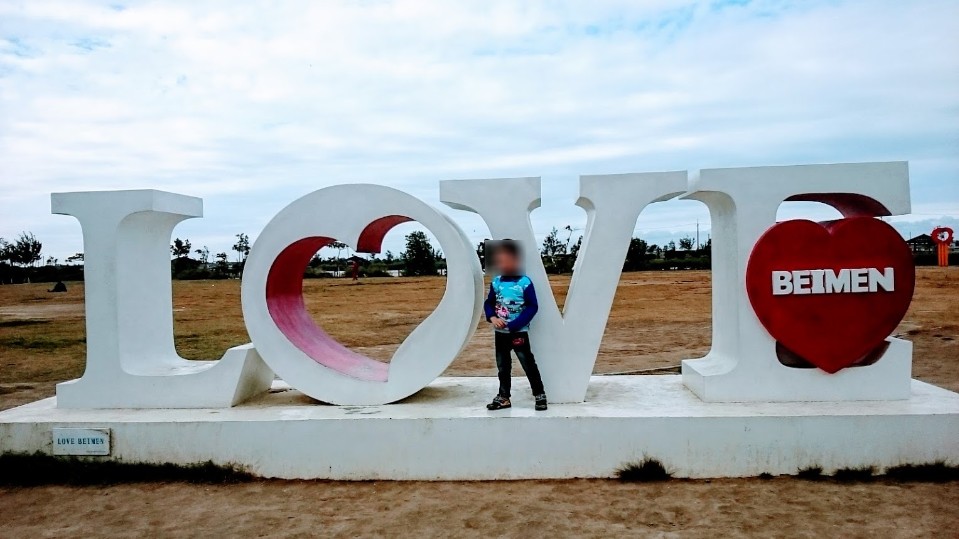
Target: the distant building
(921, 244)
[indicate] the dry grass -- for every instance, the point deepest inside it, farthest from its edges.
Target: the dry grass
(657, 319)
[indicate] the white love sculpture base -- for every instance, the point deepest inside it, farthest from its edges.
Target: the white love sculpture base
(445, 433)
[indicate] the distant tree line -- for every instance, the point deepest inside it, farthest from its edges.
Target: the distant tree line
(419, 258)
(188, 263)
(22, 261)
(559, 256)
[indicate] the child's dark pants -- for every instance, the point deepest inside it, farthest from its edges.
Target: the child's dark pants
(519, 343)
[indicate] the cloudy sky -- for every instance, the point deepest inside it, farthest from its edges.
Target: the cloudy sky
(253, 104)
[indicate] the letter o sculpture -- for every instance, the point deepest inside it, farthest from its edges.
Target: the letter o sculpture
(299, 351)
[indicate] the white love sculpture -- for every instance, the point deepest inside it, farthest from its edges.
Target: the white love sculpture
(299, 351)
(132, 363)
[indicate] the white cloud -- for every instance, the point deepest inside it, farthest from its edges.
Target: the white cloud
(252, 104)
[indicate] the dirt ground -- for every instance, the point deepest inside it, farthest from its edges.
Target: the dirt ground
(530, 509)
(658, 319)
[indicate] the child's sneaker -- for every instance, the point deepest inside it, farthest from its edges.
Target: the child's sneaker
(498, 403)
(540, 402)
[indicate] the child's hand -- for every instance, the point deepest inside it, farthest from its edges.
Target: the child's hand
(498, 322)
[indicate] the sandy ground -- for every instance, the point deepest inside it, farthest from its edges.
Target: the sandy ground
(529, 509)
(658, 319)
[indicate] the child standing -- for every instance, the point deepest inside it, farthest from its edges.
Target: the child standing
(510, 306)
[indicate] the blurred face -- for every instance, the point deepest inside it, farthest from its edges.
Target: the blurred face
(506, 263)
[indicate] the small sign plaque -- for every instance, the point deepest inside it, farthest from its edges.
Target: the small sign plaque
(81, 441)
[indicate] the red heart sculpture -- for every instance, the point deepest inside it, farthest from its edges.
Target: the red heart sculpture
(859, 289)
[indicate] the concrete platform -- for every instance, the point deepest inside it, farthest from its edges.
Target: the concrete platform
(444, 432)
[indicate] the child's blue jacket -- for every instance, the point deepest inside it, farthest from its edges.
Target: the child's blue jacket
(512, 298)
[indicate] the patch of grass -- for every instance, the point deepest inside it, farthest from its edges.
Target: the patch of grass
(931, 472)
(645, 471)
(810, 473)
(21, 323)
(765, 476)
(21, 469)
(39, 343)
(858, 474)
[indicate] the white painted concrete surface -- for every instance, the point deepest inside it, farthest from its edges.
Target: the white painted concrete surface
(343, 212)
(286, 434)
(131, 358)
(613, 202)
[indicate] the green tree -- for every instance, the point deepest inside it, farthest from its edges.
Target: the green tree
(574, 250)
(242, 247)
(339, 246)
(180, 248)
(636, 255)
(203, 254)
(419, 258)
(552, 246)
(686, 243)
(568, 228)
(25, 251)
(222, 266)
(182, 263)
(553, 252)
